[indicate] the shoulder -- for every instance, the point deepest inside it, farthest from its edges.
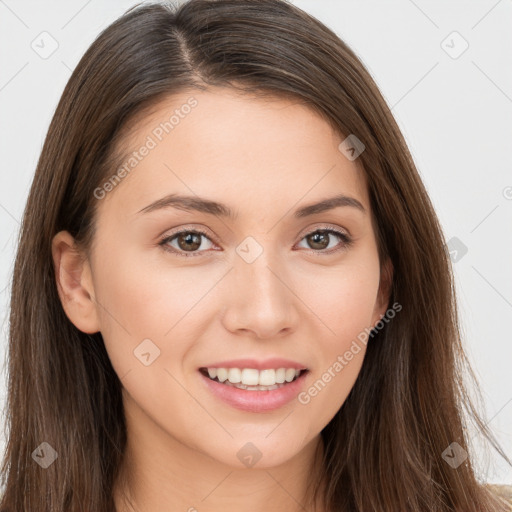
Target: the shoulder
(503, 491)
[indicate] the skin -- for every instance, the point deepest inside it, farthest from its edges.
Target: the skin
(264, 158)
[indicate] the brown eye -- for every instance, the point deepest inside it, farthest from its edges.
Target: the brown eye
(188, 241)
(320, 240)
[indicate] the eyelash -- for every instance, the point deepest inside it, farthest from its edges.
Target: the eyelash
(347, 241)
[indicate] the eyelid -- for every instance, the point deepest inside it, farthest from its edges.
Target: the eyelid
(306, 231)
(324, 227)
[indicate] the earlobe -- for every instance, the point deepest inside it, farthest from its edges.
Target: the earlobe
(74, 283)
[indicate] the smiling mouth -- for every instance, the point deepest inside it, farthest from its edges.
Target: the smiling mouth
(253, 380)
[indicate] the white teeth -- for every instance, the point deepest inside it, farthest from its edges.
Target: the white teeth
(289, 375)
(267, 378)
(235, 375)
(250, 377)
(247, 377)
(254, 388)
(222, 374)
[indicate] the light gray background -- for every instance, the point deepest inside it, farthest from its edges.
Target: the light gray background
(456, 115)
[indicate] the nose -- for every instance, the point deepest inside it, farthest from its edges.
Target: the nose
(260, 299)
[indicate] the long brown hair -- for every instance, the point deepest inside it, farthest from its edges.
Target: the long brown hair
(384, 448)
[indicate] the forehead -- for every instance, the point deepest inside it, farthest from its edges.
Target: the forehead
(235, 148)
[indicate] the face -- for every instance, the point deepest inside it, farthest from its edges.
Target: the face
(179, 289)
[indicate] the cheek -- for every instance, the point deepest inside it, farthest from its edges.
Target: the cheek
(143, 296)
(344, 302)
(342, 298)
(142, 299)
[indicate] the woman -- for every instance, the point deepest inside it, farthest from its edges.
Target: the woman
(231, 288)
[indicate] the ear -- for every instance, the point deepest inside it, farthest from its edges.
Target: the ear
(384, 293)
(74, 283)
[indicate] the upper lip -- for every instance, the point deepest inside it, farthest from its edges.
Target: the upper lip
(266, 364)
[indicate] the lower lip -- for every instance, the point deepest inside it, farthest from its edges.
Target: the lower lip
(256, 401)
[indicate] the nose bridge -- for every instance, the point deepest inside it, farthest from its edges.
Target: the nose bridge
(257, 274)
(261, 300)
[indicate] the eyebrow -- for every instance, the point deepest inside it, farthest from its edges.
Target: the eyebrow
(199, 204)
